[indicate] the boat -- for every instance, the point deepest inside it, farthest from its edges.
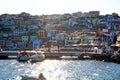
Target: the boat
(37, 56)
(40, 77)
(23, 56)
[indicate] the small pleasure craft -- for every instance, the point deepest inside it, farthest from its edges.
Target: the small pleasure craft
(23, 56)
(37, 56)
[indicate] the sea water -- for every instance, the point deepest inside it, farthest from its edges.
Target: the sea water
(61, 70)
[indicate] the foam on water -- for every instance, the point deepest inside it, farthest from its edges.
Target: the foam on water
(60, 70)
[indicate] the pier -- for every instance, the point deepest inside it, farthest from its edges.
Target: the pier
(65, 55)
(48, 55)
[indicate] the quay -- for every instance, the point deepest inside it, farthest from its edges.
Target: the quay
(49, 55)
(65, 55)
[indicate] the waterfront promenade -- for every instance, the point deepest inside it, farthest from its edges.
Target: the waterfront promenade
(65, 55)
(55, 54)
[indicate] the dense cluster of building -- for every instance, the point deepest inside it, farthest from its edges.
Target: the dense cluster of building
(24, 31)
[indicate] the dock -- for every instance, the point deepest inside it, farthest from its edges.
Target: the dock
(48, 55)
(64, 55)
(52, 55)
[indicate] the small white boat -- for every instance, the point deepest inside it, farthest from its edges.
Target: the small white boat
(23, 56)
(37, 56)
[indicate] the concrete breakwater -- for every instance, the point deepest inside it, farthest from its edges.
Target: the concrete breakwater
(66, 55)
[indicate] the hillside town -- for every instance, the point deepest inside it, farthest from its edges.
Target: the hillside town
(25, 31)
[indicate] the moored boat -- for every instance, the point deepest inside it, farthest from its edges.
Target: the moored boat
(37, 56)
(23, 56)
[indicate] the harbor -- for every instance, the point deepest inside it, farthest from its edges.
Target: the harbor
(65, 56)
(48, 55)
(61, 70)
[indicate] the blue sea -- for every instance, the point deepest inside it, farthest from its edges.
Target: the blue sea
(61, 70)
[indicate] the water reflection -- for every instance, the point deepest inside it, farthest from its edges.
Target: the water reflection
(61, 70)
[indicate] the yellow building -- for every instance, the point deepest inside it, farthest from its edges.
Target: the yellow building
(41, 33)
